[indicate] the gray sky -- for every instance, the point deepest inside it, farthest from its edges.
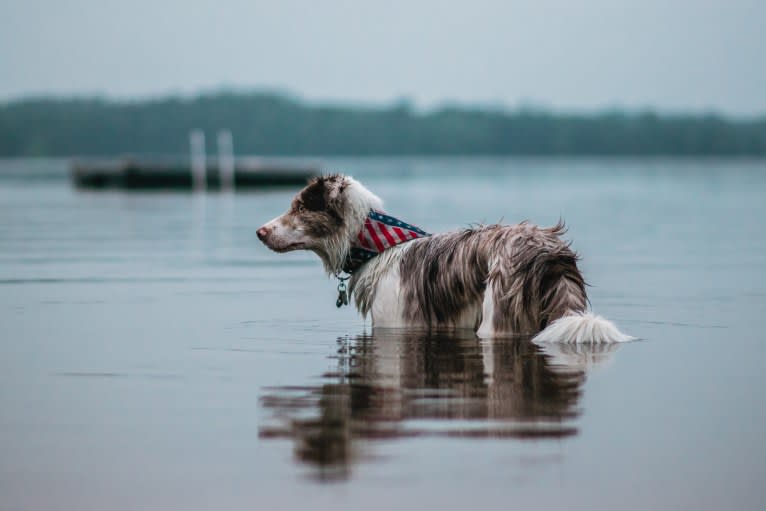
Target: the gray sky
(578, 55)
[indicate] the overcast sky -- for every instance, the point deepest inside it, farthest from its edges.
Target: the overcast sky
(672, 55)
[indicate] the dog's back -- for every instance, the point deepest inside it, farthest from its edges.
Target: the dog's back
(510, 279)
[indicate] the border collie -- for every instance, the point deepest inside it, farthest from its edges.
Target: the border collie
(498, 280)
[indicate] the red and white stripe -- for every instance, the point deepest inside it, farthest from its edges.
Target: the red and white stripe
(379, 236)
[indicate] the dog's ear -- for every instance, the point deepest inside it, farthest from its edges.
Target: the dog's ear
(335, 184)
(313, 196)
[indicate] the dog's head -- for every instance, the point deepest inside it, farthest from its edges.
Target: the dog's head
(324, 217)
(315, 213)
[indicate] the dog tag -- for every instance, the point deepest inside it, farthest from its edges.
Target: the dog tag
(342, 295)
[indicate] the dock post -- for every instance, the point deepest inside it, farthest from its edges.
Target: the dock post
(198, 159)
(226, 159)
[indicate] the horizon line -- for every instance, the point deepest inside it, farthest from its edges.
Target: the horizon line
(403, 101)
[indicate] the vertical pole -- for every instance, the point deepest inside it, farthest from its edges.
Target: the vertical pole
(226, 159)
(198, 159)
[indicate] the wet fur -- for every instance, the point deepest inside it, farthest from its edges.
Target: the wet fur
(495, 279)
(532, 274)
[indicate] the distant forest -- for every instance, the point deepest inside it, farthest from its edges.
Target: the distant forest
(277, 124)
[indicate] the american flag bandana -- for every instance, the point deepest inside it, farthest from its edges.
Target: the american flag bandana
(380, 231)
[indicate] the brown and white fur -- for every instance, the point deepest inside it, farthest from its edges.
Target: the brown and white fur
(495, 279)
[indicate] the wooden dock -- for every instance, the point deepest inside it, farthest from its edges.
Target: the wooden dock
(168, 174)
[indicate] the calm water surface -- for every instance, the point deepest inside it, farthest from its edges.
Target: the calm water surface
(153, 355)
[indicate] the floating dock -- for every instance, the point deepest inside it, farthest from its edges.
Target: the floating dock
(142, 174)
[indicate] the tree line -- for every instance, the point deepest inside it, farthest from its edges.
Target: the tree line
(278, 124)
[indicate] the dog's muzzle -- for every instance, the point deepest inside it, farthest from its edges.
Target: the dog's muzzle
(263, 233)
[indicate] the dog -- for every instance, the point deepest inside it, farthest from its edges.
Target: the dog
(499, 280)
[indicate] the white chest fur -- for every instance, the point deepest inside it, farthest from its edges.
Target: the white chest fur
(388, 305)
(380, 285)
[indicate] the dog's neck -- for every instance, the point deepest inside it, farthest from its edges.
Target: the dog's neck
(378, 233)
(340, 252)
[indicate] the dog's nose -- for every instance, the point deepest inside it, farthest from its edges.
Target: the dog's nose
(263, 233)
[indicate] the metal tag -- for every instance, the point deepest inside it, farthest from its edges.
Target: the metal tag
(342, 295)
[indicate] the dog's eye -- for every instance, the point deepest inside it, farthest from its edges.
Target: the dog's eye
(301, 208)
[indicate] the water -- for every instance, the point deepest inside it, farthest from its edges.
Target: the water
(153, 355)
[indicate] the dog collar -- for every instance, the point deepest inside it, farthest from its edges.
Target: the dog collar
(379, 232)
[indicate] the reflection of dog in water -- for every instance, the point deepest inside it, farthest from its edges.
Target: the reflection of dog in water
(398, 384)
(495, 279)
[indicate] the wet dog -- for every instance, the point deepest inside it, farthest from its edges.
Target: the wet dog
(495, 279)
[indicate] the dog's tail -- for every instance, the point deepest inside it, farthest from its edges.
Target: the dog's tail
(581, 327)
(565, 300)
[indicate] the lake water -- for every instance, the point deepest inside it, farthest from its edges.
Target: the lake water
(154, 355)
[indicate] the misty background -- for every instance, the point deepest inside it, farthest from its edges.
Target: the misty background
(593, 77)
